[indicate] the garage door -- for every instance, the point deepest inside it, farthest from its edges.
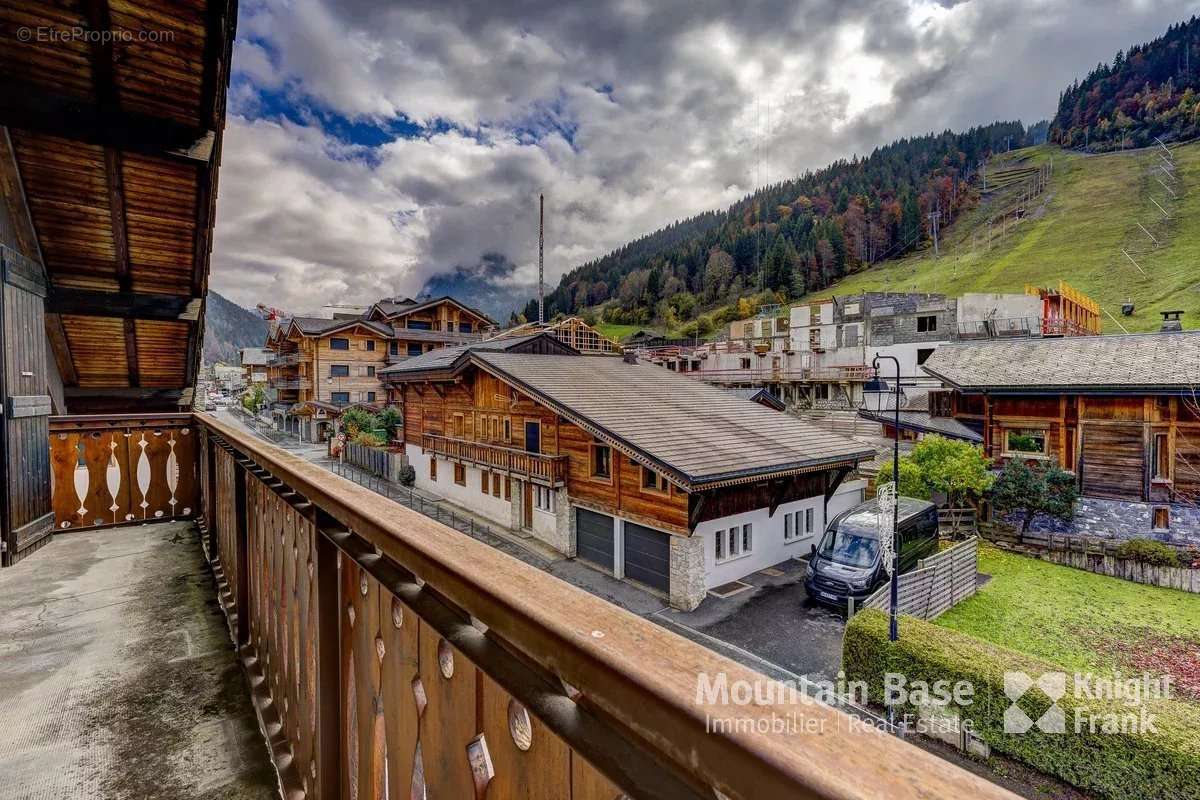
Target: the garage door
(648, 556)
(594, 537)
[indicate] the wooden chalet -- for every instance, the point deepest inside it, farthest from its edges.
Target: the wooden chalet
(678, 485)
(320, 364)
(573, 332)
(1119, 411)
(418, 327)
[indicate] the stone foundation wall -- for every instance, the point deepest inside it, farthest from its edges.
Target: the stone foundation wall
(1117, 519)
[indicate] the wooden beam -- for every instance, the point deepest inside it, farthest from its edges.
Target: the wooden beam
(125, 305)
(36, 108)
(61, 349)
(116, 208)
(123, 394)
(131, 353)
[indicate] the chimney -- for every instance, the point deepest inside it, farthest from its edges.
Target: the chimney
(1171, 323)
(630, 357)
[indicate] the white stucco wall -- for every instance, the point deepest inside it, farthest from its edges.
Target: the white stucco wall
(768, 547)
(906, 353)
(848, 495)
(496, 509)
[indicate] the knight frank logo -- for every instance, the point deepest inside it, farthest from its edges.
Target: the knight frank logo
(1052, 684)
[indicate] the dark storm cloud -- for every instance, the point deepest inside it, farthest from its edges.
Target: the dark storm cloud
(627, 113)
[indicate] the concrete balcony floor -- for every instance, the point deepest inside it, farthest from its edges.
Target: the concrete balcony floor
(117, 675)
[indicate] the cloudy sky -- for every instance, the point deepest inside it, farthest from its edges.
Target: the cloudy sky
(374, 146)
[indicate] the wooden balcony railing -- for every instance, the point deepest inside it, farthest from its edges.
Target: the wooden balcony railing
(290, 383)
(391, 656)
(122, 469)
(284, 359)
(394, 657)
(551, 469)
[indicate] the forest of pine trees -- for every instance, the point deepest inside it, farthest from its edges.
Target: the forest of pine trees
(1148, 91)
(792, 237)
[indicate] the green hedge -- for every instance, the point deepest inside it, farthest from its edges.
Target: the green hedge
(1120, 766)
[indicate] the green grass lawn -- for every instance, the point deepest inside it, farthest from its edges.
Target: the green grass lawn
(618, 332)
(1075, 231)
(1083, 621)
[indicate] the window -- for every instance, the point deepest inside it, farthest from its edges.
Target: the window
(433, 470)
(508, 488)
(781, 324)
(464, 327)
(1162, 457)
(820, 391)
(850, 336)
(507, 429)
(485, 481)
(419, 325)
(601, 461)
(923, 354)
(339, 370)
(673, 366)
(927, 324)
(487, 428)
(654, 482)
(339, 343)
(414, 349)
(683, 366)
(370, 344)
(745, 362)
(340, 398)
(543, 498)
(1025, 442)
(798, 525)
(734, 542)
(460, 474)
(459, 425)
(1162, 518)
(370, 372)
(370, 397)
(394, 348)
(496, 478)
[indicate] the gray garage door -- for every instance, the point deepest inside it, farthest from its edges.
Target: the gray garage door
(648, 556)
(594, 537)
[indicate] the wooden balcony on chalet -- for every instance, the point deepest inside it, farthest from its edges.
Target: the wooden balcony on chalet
(288, 359)
(289, 383)
(388, 652)
(551, 470)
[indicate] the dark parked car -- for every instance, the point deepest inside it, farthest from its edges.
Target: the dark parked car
(847, 562)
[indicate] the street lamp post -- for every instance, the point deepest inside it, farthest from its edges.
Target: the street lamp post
(878, 387)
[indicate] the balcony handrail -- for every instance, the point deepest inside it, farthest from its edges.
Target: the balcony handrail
(510, 459)
(618, 689)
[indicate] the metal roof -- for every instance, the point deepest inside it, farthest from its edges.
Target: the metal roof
(1148, 362)
(701, 434)
(923, 422)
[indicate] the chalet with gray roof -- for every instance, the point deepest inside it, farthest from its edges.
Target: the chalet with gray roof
(646, 474)
(1121, 412)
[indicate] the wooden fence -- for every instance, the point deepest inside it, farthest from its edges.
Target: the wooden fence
(937, 584)
(1094, 554)
(390, 656)
(376, 460)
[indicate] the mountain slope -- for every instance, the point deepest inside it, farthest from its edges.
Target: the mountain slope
(1075, 231)
(795, 236)
(1149, 91)
(228, 328)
